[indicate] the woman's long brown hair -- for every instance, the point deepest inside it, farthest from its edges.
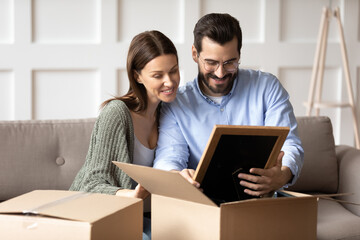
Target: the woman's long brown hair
(143, 48)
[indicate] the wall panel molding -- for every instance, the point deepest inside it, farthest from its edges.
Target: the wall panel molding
(167, 16)
(6, 94)
(58, 22)
(6, 22)
(59, 94)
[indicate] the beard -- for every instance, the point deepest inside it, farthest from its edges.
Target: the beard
(222, 89)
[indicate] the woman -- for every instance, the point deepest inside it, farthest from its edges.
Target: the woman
(127, 127)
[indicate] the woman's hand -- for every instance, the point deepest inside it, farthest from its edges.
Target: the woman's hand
(138, 192)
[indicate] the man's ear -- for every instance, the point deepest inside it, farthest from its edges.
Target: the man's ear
(194, 54)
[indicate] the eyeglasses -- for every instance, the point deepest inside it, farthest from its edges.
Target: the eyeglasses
(212, 66)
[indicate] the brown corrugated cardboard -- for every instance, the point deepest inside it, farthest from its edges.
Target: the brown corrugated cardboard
(181, 211)
(53, 214)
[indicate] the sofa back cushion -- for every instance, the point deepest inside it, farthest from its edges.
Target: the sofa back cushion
(320, 170)
(41, 154)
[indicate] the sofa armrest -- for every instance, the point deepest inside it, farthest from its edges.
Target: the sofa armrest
(349, 177)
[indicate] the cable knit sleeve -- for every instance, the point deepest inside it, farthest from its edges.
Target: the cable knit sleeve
(112, 139)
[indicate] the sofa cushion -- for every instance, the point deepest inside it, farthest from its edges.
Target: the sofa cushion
(335, 222)
(349, 177)
(41, 154)
(320, 170)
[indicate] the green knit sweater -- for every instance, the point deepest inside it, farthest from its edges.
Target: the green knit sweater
(112, 139)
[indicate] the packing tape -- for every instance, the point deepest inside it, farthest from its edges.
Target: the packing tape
(37, 209)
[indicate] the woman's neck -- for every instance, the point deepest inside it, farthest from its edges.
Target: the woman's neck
(146, 125)
(150, 112)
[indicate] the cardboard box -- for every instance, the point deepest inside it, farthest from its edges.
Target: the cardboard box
(181, 211)
(51, 214)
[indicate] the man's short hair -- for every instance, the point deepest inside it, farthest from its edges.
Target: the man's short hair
(219, 27)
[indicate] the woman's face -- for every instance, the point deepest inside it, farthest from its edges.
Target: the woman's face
(161, 78)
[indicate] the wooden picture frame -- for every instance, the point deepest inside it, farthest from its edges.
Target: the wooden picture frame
(232, 149)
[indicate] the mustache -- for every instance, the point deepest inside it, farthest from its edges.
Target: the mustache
(217, 78)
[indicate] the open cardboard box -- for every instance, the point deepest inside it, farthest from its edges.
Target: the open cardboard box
(181, 211)
(52, 214)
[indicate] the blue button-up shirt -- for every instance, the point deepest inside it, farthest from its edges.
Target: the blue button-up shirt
(256, 98)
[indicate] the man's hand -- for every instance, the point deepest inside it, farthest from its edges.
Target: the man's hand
(138, 192)
(188, 174)
(268, 180)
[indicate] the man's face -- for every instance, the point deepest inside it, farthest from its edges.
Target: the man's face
(217, 66)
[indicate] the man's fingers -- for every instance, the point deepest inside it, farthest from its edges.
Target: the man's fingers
(262, 181)
(255, 193)
(188, 175)
(249, 177)
(258, 171)
(255, 189)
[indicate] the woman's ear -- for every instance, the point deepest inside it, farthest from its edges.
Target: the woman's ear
(137, 77)
(194, 54)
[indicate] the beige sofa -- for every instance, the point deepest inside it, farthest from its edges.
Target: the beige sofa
(48, 154)
(330, 169)
(41, 154)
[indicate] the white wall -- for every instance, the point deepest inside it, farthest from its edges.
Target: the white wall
(61, 58)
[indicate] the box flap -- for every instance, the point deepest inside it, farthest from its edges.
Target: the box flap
(88, 207)
(165, 183)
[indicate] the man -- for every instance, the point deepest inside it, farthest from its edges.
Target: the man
(224, 94)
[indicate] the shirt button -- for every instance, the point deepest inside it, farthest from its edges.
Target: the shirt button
(221, 109)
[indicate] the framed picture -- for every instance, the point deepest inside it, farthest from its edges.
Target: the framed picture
(232, 150)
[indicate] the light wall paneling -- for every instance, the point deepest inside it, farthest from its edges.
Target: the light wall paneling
(166, 16)
(299, 23)
(249, 13)
(57, 21)
(6, 21)
(61, 94)
(297, 81)
(191, 14)
(6, 95)
(122, 82)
